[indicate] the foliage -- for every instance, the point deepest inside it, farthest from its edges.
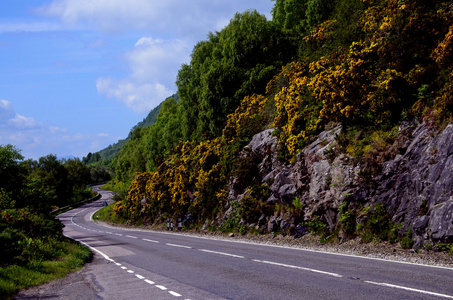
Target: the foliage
(347, 220)
(407, 242)
(233, 63)
(378, 225)
(366, 65)
(50, 258)
(254, 205)
(194, 178)
(28, 191)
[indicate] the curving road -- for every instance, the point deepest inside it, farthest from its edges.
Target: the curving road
(138, 264)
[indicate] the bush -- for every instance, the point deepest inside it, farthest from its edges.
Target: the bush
(407, 242)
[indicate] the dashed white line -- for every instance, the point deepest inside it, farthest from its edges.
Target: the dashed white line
(131, 236)
(179, 246)
(124, 268)
(161, 287)
(130, 271)
(149, 281)
(410, 289)
(297, 267)
(174, 294)
(139, 276)
(222, 253)
(152, 241)
(118, 234)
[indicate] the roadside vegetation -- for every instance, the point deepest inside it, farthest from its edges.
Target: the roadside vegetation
(366, 65)
(32, 247)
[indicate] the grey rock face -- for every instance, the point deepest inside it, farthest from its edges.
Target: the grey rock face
(416, 185)
(423, 176)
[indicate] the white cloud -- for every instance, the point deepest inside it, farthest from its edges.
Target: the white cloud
(56, 129)
(6, 111)
(37, 139)
(23, 122)
(140, 97)
(153, 64)
(172, 27)
(174, 17)
(149, 41)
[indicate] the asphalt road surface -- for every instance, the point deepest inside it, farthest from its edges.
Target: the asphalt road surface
(138, 264)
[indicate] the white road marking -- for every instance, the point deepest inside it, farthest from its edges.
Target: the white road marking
(124, 268)
(161, 287)
(179, 246)
(297, 267)
(222, 253)
(174, 294)
(118, 234)
(149, 281)
(130, 271)
(410, 289)
(139, 276)
(152, 241)
(131, 236)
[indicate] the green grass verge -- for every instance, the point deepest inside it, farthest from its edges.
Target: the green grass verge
(72, 256)
(107, 214)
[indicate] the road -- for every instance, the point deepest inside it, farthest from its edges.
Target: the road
(139, 264)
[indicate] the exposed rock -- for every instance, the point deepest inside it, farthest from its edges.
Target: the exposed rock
(422, 176)
(415, 183)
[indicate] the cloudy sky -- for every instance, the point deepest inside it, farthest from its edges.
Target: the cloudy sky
(76, 75)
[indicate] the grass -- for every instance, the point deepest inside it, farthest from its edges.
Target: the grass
(107, 214)
(35, 272)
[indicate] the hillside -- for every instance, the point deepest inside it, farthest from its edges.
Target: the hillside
(105, 156)
(332, 118)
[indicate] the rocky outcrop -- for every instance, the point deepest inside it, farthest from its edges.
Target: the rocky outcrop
(318, 183)
(415, 185)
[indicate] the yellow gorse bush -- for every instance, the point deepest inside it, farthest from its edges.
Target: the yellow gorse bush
(371, 81)
(193, 178)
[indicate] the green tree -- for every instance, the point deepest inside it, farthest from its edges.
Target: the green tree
(290, 14)
(231, 64)
(12, 176)
(53, 178)
(318, 11)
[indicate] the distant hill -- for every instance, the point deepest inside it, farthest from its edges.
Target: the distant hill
(105, 156)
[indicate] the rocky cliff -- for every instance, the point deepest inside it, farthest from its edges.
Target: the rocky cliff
(412, 179)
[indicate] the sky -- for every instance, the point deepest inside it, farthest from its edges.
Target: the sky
(77, 75)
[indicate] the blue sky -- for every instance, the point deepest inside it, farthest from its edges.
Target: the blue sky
(76, 75)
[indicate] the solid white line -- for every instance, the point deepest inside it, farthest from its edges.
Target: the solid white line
(139, 276)
(410, 289)
(358, 256)
(297, 267)
(149, 281)
(222, 253)
(161, 287)
(152, 241)
(174, 294)
(179, 246)
(132, 237)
